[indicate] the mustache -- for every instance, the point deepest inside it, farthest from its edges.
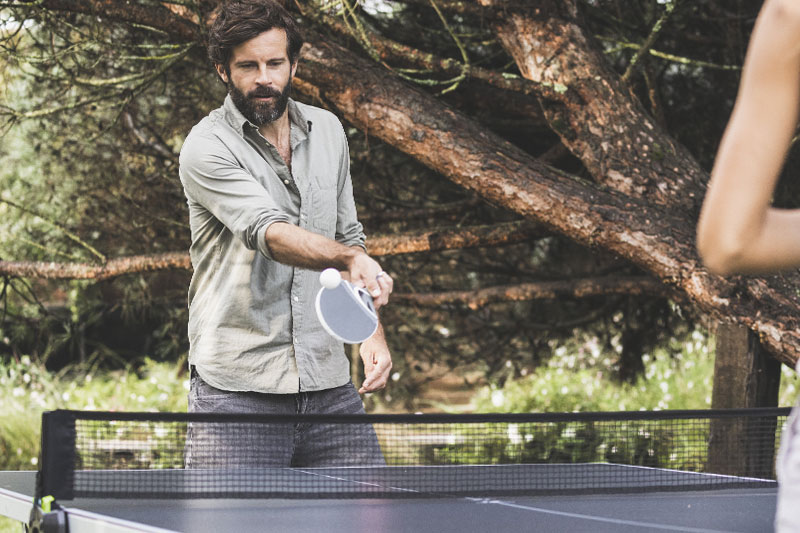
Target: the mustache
(264, 92)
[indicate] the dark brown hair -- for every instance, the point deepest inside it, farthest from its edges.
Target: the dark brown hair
(241, 20)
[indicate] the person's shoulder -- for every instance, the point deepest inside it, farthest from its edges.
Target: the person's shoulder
(206, 134)
(208, 127)
(784, 11)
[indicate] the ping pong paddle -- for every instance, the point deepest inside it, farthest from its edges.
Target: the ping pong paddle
(345, 311)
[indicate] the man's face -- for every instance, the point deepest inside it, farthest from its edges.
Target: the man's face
(259, 77)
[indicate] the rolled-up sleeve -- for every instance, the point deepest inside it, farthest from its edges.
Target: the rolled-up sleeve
(212, 178)
(349, 230)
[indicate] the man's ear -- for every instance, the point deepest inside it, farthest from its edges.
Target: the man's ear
(222, 72)
(294, 66)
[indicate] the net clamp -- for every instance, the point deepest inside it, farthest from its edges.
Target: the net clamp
(47, 517)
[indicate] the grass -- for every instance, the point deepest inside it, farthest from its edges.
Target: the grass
(27, 389)
(9, 526)
(578, 378)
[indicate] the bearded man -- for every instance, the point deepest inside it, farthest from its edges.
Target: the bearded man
(267, 180)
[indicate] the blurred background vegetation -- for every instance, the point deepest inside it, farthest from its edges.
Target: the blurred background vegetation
(93, 113)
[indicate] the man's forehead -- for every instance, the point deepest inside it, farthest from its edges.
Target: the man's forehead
(267, 45)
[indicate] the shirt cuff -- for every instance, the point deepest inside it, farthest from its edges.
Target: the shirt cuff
(261, 236)
(354, 243)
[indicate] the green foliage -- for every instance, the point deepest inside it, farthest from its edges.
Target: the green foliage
(677, 376)
(133, 445)
(27, 389)
(94, 111)
(577, 378)
(92, 118)
(641, 443)
(580, 378)
(9, 526)
(790, 386)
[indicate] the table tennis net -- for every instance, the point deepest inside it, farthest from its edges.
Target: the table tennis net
(181, 455)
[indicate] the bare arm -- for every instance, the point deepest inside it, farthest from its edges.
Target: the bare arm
(295, 246)
(738, 230)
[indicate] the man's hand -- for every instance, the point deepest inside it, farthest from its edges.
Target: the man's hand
(367, 273)
(377, 362)
(292, 245)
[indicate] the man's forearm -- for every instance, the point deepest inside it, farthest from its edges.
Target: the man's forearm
(296, 246)
(292, 245)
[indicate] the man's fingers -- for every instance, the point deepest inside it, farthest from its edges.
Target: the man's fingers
(374, 288)
(385, 285)
(371, 380)
(377, 372)
(385, 280)
(369, 372)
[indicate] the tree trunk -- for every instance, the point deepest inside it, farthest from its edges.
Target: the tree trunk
(744, 376)
(645, 207)
(659, 241)
(596, 116)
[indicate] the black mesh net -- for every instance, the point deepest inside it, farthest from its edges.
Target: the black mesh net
(171, 455)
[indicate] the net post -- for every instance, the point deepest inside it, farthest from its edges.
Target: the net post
(56, 473)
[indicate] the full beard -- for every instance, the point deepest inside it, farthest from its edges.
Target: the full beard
(261, 113)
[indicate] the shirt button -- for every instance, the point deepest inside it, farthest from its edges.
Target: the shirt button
(296, 299)
(286, 182)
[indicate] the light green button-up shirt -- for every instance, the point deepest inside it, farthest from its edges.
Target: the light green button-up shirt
(252, 323)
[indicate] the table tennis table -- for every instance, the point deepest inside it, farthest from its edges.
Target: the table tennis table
(743, 508)
(600, 472)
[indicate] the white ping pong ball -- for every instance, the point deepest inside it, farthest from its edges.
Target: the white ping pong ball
(330, 278)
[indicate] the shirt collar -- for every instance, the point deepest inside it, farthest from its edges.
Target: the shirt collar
(238, 122)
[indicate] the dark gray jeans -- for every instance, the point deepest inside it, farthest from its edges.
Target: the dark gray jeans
(215, 445)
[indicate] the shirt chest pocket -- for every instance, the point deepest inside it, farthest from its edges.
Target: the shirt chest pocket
(323, 207)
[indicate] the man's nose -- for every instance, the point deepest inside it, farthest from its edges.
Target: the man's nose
(263, 76)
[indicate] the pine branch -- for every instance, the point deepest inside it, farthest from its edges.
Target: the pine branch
(157, 146)
(70, 235)
(152, 16)
(111, 269)
(390, 50)
(668, 57)
(379, 246)
(549, 290)
(649, 42)
(458, 238)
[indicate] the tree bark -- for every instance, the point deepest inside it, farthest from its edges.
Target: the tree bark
(380, 245)
(177, 22)
(457, 238)
(660, 241)
(744, 377)
(650, 187)
(111, 269)
(583, 288)
(596, 116)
